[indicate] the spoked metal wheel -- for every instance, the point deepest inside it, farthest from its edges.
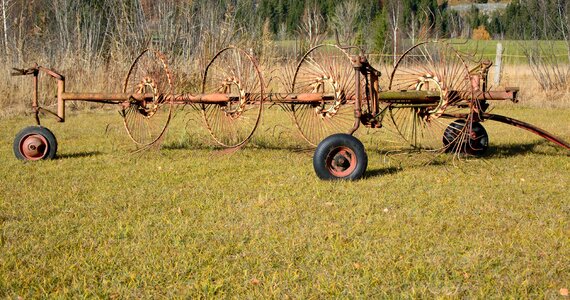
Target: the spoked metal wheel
(235, 74)
(146, 121)
(325, 69)
(439, 68)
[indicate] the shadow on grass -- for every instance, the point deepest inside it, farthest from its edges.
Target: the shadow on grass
(250, 145)
(78, 154)
(540, 147)
(7, 218)
(292, 148)
(186, 146)
(381, 172)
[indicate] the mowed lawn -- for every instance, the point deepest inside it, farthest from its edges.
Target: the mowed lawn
(191, 221)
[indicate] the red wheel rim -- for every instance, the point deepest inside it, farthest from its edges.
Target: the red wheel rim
(34, 146)
(341, 161)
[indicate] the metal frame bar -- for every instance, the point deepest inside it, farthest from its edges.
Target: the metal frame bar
(360, 64)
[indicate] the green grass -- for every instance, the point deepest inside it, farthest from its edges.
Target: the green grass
(514, 50)
(188, 221)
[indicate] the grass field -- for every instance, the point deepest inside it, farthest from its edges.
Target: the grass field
(188, 221)
(514, 51)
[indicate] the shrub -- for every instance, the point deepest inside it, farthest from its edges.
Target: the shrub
(481, 33)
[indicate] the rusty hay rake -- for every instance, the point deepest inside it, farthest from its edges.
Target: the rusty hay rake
(436, 100)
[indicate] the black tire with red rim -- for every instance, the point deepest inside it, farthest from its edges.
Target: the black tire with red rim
(472, 140)
(35, 143)
(340, 156)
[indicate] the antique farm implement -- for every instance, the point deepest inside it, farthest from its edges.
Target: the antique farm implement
(434, 99)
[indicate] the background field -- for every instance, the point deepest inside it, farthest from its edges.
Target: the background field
(514, 51)
(191, 221)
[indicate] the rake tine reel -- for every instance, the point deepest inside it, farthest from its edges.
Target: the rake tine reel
(235, 74)
(147, 119)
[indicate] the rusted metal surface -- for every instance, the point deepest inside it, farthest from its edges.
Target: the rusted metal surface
(35, 105)
(526, 126)
(33, 146)
(108, 98)
(60, 101)
(357, 64)
(513, 122)
(341, 161)
(496, 95)
(302, 98)
(407, 97)
(252, 98)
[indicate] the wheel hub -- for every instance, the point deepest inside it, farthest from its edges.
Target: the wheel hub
(431, 82)
(341, 161)
(234, 109)
(34, 147)
(147, 109)
(319, 86)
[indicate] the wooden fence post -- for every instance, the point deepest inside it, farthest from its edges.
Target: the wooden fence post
(498, 64)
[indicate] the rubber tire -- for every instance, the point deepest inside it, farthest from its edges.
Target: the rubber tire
(331, 143)
(476, 145)
(40, 130)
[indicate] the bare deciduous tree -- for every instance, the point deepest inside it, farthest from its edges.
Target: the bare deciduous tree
(564, 21)
(312, 26)
(394, 14)
(5, 5)
(551, 72)
(456, 25)
(345, 20)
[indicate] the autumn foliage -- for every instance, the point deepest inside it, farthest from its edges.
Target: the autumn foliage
(480, 33)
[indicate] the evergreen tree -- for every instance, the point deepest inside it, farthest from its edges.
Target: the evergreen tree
(380, 26)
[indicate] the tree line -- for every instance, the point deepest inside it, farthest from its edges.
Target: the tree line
(98, 30)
